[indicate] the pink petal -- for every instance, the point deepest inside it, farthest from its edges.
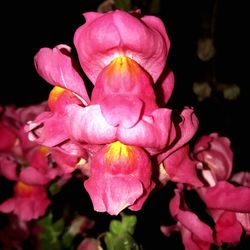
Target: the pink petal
(164, 87)
(151, 132)
(228, 229)
(215, 152)
(244, 219)
(124, 77)
(117, 110)
(195, 225)
(242, 178)
(32, 176)
(58, 67)
(230, 197)
(115, 194)
(8, 168)
(88, 125)
(192, 242)
(105, 36)
(7, 206)
(8, 137)
(47, 129)
(182, 133)
(181, 168)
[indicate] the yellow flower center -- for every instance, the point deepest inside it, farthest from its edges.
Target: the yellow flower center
(23, 189)
(119, 153)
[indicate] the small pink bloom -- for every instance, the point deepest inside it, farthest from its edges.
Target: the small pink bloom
(214, 154)
(118, 33)
(39, 171)
(29, 202)
(120, 177)
(195, 233)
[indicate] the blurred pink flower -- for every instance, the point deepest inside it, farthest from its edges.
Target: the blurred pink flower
(195, 234)
(29, 202)
(215, 158)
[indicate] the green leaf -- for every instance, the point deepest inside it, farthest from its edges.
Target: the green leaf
(120, 242)
(120, 235)
(116, 227)
(129, 222)
(67, 240)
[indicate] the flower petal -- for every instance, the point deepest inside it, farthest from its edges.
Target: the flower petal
(58, 67)
(88, 125)
(104, 36)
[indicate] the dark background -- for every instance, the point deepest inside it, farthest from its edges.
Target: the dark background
(27, 27)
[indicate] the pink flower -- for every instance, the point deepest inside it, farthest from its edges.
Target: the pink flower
(120, 177)
(179, 167)
(58, 67)
(29, 202)
(175, 162)
(215, 156)
(125, 83)
(230, 207)
(39, 170)
(227, 227)
(8, 138)
(195, 234)
(118, 33)
(123, 113)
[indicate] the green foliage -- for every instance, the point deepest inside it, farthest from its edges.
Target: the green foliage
(120, 233)
(53, 234)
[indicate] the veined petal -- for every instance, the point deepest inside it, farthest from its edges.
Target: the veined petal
(58, 67)
(232, 198)
(151, 132)
(125, 77)
(184, 130)
(117, 110)
(88, 125)
(47, 129)
(106, 36)
(117, 193)
(215, 152)
(180, 168)
(120, 177)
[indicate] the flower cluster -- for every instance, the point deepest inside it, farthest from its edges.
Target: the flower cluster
(123, 128)
(121, 138)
